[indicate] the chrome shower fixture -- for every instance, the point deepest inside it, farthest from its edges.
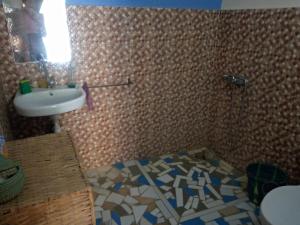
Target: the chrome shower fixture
(237, 80)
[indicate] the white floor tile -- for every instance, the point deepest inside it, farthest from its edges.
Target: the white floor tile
(210, 216)
(98, 214)
(211, 169)
(236, 216)
(134, 191)
(230, 186)
(144, 222)
(113, 173)
(207, 177)
(100, 200)
(225, 180)
(235, 222)
(150, 193)
(175, 163)
(126, 208)
(158, 163)
(173, 221)
(138, 212)
(107, 184)
(201, 181)
(165, 178)
(182, 168)
(91, 173)
(98, 208)
(169, 195)
(201, 166)
(213, 204)
(201, 194)
(115, 198)
(163, 209)
(163, 165)
(179, 197)
(159, 215)
(212, 223)
(129, 163)
(226, 191)
(161, 220)
(195, 203)
(130, 200)
(190, 173)
(188, 212)
(189, 203)
(134, 178)
(106, 216)
(127, 220)
(197, 169)
(177, 181)
(208, 200)
(196, 187)
(165, 188)
(191, 182)
(245, 206)
(154, 169)
(101, 191)
(165, 172)
(213, 191)
(253, 218)
(147, 169)
(155, 211)
(93, 180)
(143, 188)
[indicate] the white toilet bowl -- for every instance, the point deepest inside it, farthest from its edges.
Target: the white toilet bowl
(281, 206)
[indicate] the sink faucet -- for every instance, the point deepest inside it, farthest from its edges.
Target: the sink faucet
(51, 82)
(43, 68)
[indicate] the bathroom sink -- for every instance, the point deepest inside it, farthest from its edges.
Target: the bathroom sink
(47, 102)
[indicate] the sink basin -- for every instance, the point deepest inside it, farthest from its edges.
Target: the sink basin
(47, 102)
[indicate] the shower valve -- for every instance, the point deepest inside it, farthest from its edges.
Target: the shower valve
(237, 80)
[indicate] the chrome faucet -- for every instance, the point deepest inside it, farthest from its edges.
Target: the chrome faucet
(239, 81)
(43, 69)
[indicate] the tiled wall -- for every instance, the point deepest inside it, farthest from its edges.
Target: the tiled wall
(5, 129)
(178, 100)
(262, 45)
(4, 121)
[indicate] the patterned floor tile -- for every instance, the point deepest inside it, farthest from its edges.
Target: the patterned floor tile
(171, 189)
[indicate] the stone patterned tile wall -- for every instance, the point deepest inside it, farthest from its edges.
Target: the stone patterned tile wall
(262, 45)
(4, 121)
(178, 100)
(166, 108)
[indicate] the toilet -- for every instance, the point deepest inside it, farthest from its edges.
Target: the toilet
(281, 206)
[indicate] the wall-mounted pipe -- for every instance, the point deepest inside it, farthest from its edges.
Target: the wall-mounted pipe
(128, 83)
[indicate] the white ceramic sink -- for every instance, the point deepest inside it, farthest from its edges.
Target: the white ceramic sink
(47, 102)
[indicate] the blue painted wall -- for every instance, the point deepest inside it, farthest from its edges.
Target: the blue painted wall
(181, 4)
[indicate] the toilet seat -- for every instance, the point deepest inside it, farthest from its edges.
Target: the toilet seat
(281, 206)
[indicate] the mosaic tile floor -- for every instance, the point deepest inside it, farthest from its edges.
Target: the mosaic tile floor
(172, 189)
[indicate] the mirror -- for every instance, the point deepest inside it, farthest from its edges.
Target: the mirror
(38, 30)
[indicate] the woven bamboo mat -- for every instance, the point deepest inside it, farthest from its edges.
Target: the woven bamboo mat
(50, 167)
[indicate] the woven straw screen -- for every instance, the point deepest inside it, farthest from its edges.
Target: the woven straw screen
(55, 191)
